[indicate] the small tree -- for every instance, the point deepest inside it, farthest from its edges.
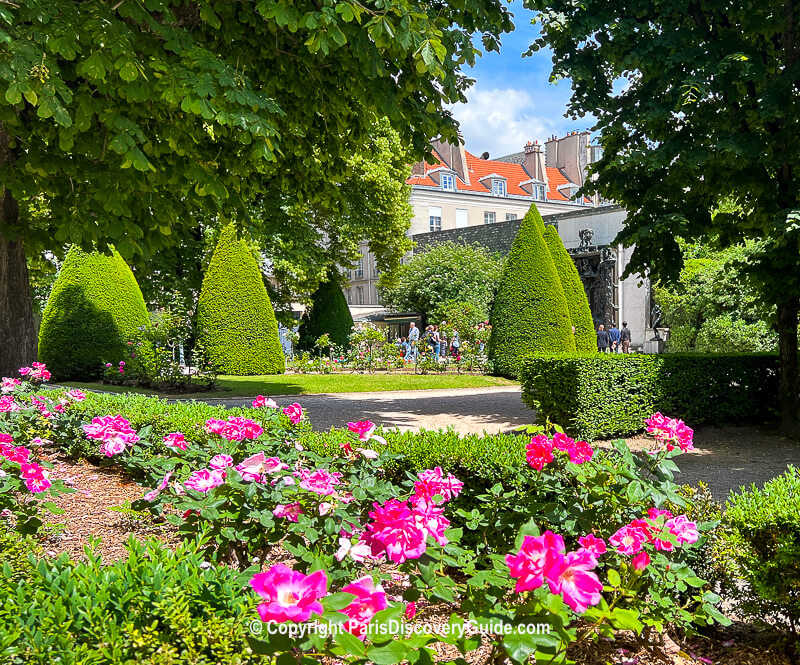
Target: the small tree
(94, 309)
(444, 272)
(530, 313)
(329, 314)
(577, 303)
(235, 320)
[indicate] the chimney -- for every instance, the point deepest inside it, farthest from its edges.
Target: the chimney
(569, 154)
(418, 168)
(533, 162)
(453, 156)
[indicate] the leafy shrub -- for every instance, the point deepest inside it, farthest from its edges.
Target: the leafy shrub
(577, 302)
(723, 334)
(95, 307)
(530, 313)
(596, 396)
(154, 607)
(328, 314)
(162, 416)
(766, 545)
(235, 320)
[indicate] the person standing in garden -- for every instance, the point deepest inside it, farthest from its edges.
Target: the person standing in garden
(413, 339)
(614, 336)
(602, 339)
(625, 338)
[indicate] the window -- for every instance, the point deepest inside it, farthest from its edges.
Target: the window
(435, 216)
(489, 218)
(510, 216)
(499, 187)
(360, 268)
(359, 295)
(448, 182)
(378, 298)
(349, 297)
(537, 191)
(375, 270)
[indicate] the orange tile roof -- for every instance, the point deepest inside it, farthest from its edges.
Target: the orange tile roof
(480, 168)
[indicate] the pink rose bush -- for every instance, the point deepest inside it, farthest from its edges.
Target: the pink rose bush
(670, 433)
(115, 433)
(540, 450)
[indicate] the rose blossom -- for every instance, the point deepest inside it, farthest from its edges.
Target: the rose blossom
(35, 477)
(9, 385)
(358, 552)
(433, 483)
(320, 481)
(683, 530)
(295, 412)
(7, 404)
(369, 600)
(591, 543)
(364, 429)
(76, 395)
(411, 610)
(580, 452)
(250, 429)
(394, 531)
(670, 432)
(205, 480)
(571, 576)
(629, 539)
(264, 402)
(254, 467)
(289, 512)
(16, 454)
(430, 518)
(290, 595)
(536, 555)
(176, 440)
(640, 561)
(220, 461)
(150, 496)
(540, 452)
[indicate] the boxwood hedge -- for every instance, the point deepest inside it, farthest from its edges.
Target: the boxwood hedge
(599, 396)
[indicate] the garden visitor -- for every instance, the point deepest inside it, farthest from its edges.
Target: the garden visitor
(613, 336)
(402, 347)
(413, 339)
(625, 338)
(456, 343)
(602, 339)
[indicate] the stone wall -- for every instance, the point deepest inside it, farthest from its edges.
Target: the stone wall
(496, 237)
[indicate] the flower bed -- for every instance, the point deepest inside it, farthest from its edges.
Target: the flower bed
(577, 539)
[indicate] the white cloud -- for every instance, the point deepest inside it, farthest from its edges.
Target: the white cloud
(503, 120)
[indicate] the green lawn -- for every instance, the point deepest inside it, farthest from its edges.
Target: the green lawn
(309, 384)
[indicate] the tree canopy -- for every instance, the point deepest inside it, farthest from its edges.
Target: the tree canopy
(447, 271)
(696, 103)
(129, 120)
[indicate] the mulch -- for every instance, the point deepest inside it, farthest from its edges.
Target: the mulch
(89, 517)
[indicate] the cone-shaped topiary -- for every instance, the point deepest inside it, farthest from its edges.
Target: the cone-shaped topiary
(530, 312)
(235, 320)
(577, 302)
(328, 313)
(94, 309)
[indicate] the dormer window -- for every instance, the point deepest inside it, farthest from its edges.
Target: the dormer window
(537, 192)
(570, 190)
(537, 188)
(498, 187)
(448, 182)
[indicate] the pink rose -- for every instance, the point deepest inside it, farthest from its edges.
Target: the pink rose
(35, 477)
(320, 481)
(369, 600)
(151, 496)
(205, 480)
(536, 555)
(176, 440)
(572, 577)
(290, 512)
(295, 413)
(364, 429)
(264, 402)
(220, 461)
(432, 482)
(290, 595)
(540, 452)
(629, 539)
(640, 561)
(395, 531)
(591, 543)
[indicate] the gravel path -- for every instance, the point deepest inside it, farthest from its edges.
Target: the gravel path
(467, 410)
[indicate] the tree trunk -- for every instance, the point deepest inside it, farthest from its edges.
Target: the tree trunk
(788, 387)
(17, 329)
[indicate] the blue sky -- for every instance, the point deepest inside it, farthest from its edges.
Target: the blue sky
(512, 101)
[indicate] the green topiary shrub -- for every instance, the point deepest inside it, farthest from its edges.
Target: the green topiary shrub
(766, 546)
(530, 313)
(328, 313)
(235, 320)
(601, 395)
(577, 302)
(94, 309)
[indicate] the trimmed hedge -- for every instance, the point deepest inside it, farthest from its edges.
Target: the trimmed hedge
(154, 606)
(235, 319)
(94, 309)
(328, 313)
(530, 313)
(577, 303)
(600, 396)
